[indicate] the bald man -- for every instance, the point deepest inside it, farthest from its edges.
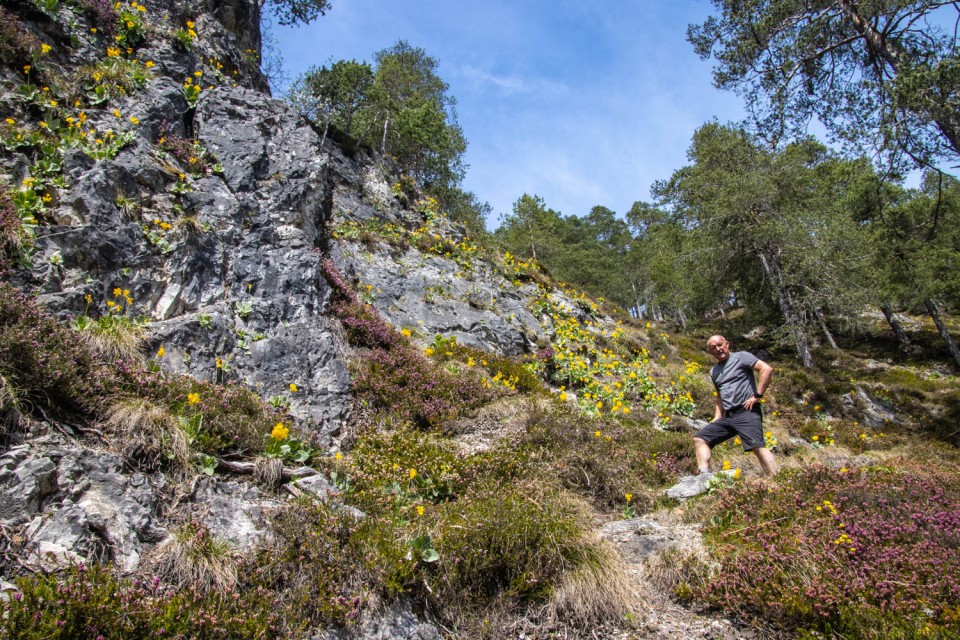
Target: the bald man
(738, 409)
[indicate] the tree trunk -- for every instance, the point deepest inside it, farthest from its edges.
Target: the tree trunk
(788, 308)
(934, 312)
(636, 298)
(823, 327)
(898, 331)
(383, 143)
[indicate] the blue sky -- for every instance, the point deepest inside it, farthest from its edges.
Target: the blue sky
(580, 102)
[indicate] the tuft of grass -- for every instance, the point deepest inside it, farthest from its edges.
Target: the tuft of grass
(150, 437)
(11, 408)
(114, 336)
(597, 592)
(226, 419)
(196, 559)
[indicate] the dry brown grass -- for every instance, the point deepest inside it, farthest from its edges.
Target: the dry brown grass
(148, 436)
(119, 338)
(268, 471)
(597, 592)
(679, 569)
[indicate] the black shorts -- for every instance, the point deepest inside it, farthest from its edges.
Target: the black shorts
(739, 422)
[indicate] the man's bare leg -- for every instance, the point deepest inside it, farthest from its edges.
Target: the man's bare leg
(767, 461)
(702, 450)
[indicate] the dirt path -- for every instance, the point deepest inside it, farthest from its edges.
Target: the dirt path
(652, 547)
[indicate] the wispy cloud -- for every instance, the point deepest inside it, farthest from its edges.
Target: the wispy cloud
(480, 79)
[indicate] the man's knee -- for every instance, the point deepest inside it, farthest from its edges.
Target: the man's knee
(697, 440)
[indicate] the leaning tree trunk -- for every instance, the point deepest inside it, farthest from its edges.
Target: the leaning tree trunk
(788, 308)
(898, 331)
(823, 327)
(934, 312)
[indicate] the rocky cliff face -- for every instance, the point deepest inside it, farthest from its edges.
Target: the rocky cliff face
(209, 216)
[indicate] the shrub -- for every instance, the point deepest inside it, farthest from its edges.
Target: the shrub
(189, 152)
(395, 376)
(514, 541)
(11, 231)
(863, 553)
(510, 373)
(317, 565)
(43, 361)
(410, 387)
(91, 603)
(103, 14)
(17, 45)
(364, 326)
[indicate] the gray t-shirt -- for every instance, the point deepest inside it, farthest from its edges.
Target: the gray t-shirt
(734, 380)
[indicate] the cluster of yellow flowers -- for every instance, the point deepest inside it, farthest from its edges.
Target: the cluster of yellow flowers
(121, 300)
(827, 505)
(499, 380)
(279, 432)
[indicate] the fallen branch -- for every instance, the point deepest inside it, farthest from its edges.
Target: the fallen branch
(248, 468)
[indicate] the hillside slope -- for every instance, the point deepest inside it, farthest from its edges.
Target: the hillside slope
(253, 385)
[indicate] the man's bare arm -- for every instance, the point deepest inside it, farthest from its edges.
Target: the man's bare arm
(766, 373)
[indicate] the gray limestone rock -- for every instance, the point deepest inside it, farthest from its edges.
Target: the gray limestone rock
(25, 483)
(640, 538)
(690, 486)
(870, 412)
(395, 622)
(77, 504)
(234, 511)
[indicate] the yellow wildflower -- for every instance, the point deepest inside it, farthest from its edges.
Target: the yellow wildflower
(161, 351)
(279, 432)
(193, 398)
(413, 473)
(420, 509)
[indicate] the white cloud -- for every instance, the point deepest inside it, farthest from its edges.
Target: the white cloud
(479, 79)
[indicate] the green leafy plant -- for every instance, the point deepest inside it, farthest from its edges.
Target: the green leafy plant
(186, 36)
(421, 550)
(280, 444)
